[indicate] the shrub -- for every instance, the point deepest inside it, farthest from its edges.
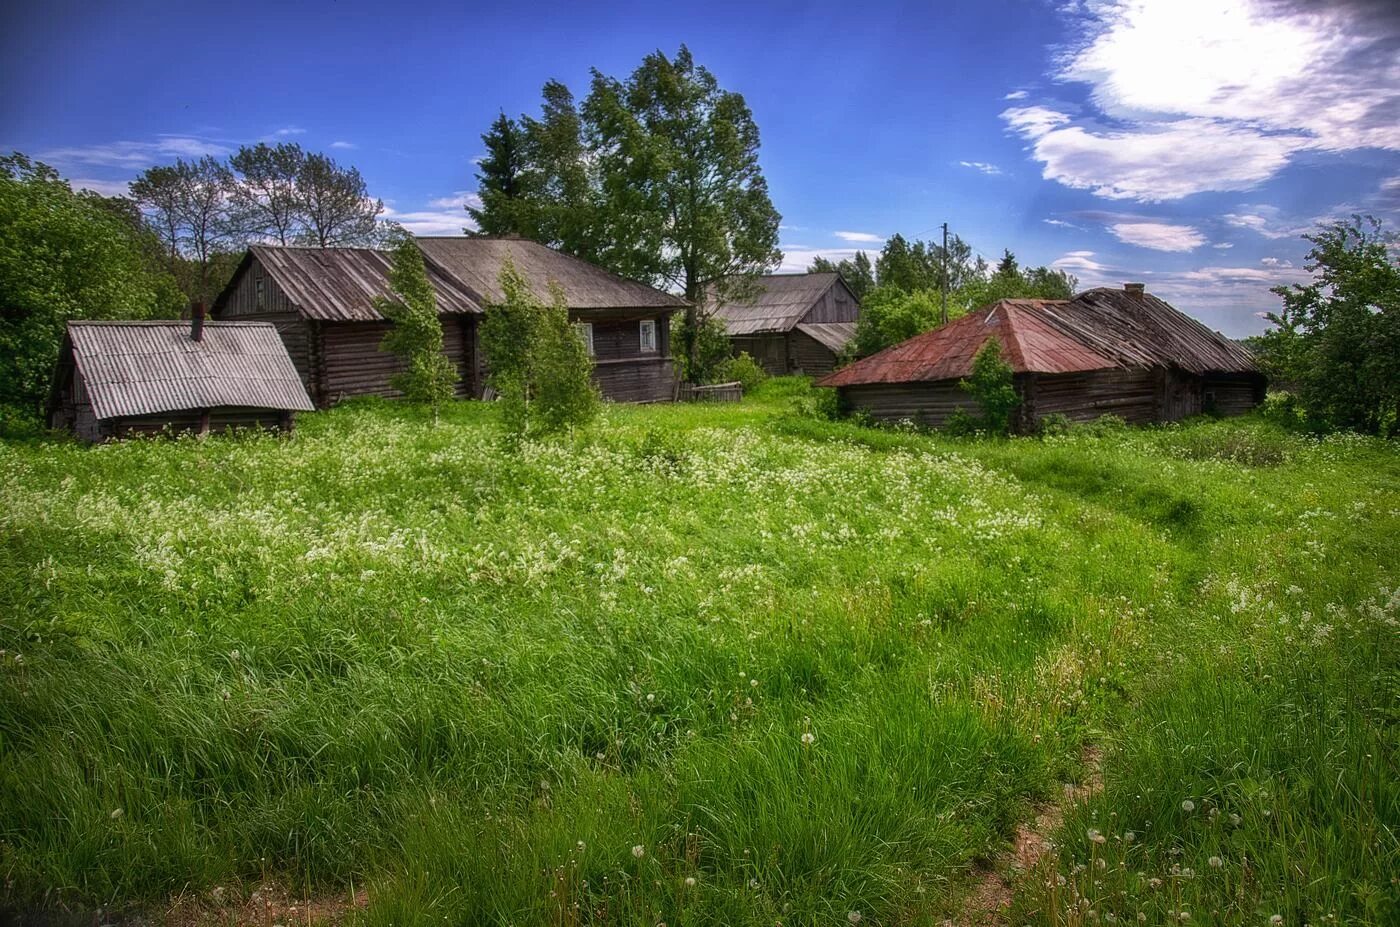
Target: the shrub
(962, 424)
(416, 335)
(711, 350)
(991, 385)
(742, 369)
(1054, 424)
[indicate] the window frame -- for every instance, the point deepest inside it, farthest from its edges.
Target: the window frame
(585, 332)
(643, 326)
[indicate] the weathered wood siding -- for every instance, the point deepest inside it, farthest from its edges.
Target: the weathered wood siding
(348, 360)
(769, 351)
(1179, 395)
(1132, 395)
(649, 379)
(257, 295)
(73, 411)
(810, 356)
(837, 304)
(923, 403)
(1232, 394)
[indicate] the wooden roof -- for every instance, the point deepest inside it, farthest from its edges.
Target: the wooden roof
(144, 368)
(1098, 329)
(341, 284)
(476, 262)
(832, 335)
(771, 303)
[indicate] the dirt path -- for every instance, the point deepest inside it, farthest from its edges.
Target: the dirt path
(987, 903)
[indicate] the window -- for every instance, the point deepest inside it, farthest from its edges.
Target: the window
(258, 292)
(585, 331)
(648, 336)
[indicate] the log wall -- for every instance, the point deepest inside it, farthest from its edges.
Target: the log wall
(923, 403)
(638, 379)
(810, 356)
(347, 360)
(1233, 394)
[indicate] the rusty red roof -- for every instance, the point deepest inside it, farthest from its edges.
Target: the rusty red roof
(1030, 342)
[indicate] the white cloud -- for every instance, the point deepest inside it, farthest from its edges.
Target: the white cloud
(797, 258)
(1223, 245)
(1078, 262)
(982, 166)
(343, 145)
(137, 155)
(446, 215)
(867, 237)
(1199, 95)
(1159, 236)
(1060, 223)
(1275, 262)
(104, 187)
(1016, 95)
(289, 130)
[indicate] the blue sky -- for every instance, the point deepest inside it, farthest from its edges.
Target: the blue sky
(1182, 142)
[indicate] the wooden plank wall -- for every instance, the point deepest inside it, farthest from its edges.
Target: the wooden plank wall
(922, 403)
(810, 356)
(257, 295)
(769, 351)
(651, 379)
(352, 364)
(1132, 395)
(836, 305)
(1233, 394)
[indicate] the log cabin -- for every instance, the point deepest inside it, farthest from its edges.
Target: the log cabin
(117, 379)
(626, 324)
(1105, 351)
(788, 323)
(322, 302)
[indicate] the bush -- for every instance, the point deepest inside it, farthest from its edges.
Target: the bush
(711, 350)
(1054, 424)
(962, 424)
(818, 403)
(743, 370)
(1283, 408)
(992, 386)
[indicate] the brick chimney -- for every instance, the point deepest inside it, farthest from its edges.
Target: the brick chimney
(1135, 290)
(197, 322)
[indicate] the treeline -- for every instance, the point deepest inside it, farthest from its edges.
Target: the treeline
(901, 292)
(655, 177)
(205, 211)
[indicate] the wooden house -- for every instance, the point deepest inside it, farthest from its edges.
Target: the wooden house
(789, 323)
(322, 302)
(1106, 351)
(121, 378)
(626, 324)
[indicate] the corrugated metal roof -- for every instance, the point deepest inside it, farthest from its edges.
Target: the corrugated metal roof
(1095, 330)
(833, 335)
(142, 368)
(769, 303)
(477, 263)
(341, 284)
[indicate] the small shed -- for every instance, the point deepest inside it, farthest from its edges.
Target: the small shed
(121, 378)
(789, 323)
(1121, 352)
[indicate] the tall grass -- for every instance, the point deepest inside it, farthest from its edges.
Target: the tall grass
(699, 665)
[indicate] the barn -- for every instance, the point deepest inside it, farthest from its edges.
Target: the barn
(116, 379)
(1106, 351)
(789, 323)
(626, 324)
(322, 302)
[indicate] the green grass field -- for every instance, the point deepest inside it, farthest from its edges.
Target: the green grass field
(703, 665)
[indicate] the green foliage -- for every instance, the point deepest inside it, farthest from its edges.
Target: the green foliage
(1337, 339)
(710, 348)
(742, 369)
(503, 183)
(64, 255)
(386, 656)
(961, 423)
(655, 177)
(991, 384)
(538, 365)
(889, 315)
(857, 272)
(416, 336)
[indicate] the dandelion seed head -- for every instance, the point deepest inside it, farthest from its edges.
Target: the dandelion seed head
(690, 881)
(808, 738)
(854, 917)
(1215, 862)
(639, 851)
(1188, 806)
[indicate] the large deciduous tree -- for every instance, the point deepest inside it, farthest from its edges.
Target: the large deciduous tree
(1338, 338)
(336, 205)
(857, 272)
(189, 204)
(267, 196)
(65, 255)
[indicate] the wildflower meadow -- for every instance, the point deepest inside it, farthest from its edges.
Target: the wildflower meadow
(703, 665)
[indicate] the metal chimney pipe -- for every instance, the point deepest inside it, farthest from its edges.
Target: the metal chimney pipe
(197, 322)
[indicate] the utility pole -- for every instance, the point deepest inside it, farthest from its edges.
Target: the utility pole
(945, 274)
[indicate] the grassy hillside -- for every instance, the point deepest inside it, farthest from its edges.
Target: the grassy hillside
(702, 666)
